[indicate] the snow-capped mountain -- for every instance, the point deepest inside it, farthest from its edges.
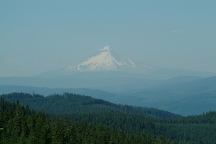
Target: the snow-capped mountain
(104, 61)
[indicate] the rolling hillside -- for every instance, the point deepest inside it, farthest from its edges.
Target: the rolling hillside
(131, 120)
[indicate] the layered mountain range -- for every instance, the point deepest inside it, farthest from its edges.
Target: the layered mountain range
(119, 80)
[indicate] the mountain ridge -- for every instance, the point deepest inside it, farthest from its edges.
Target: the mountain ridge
(67, 103)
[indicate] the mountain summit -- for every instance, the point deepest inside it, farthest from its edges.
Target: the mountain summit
(104, 61)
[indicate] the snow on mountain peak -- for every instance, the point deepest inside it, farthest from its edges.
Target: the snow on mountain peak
(104, 61)
(105, 49)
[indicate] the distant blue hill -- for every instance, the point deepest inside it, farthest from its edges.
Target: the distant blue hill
(186, 95)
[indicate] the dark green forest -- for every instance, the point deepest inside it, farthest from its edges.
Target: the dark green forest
(77, 119)
(20, 125)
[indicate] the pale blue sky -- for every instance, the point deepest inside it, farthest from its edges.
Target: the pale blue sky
(43, 35)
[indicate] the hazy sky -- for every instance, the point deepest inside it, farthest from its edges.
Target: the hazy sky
(42, 35)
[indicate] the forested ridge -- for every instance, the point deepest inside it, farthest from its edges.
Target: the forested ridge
(102, 119)
(68, 104)
(20, 125)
